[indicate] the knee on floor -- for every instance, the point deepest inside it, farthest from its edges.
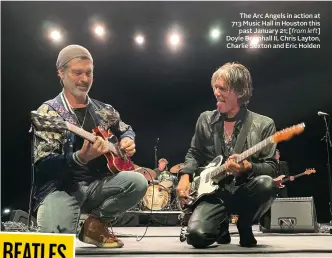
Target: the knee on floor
(266, 185)
(198, 239)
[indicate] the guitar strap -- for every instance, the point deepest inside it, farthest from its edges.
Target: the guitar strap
(217, 140)
(241, 139)
(239, 145)
(61, 111)
(56, 105)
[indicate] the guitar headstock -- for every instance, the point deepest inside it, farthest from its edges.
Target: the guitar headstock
(309, 171)
(45, 122)
(288, 133)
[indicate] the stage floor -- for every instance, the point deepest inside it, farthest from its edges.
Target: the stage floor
(164, 242)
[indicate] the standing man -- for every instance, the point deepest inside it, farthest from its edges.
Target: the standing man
(283, 169)
(71, 173)
(252, 190)
(265, 221)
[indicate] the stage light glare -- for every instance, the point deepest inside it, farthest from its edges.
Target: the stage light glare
(139, 39)
(55, 35)
(6, 211)
(99, 30)
(215, 33)
(254, 41)
(174, 39)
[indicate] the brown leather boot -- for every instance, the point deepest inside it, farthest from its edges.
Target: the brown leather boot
(96, 232)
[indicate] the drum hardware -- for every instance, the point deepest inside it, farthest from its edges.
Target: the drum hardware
(166, 183)
(157, 198)
(167, 179)
(148, 173)
(166, 197)
(175, 204)
(176, 168)
(156, 153)
(161, 193)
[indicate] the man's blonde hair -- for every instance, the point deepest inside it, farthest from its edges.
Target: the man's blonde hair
(165, 160)
(236, 77)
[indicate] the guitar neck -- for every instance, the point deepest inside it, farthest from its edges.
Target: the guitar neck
(81, 132)
(249, 152)
(90, 137)
(296, 176)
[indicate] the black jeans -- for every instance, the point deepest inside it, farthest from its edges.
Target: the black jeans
(250, 201)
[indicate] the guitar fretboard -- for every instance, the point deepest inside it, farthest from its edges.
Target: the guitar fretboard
(296, 176)
(259, 146)
(81, 132)
(87, 135)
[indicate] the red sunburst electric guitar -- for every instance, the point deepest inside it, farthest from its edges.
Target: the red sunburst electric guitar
(281, 179)
(117, 159)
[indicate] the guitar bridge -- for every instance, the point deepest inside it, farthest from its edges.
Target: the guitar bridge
(113, 140)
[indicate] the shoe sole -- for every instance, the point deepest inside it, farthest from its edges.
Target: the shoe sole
(89, 240)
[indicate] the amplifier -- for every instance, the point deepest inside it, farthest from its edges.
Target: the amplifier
(293, 215)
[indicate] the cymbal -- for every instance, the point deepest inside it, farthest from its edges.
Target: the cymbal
(175, 169)
(147, 173)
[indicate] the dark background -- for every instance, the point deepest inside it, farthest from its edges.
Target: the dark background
(158, 92)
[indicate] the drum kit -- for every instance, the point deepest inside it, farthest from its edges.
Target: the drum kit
(161, 192)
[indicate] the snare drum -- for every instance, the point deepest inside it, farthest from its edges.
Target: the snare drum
(167, 180)
(156, 198)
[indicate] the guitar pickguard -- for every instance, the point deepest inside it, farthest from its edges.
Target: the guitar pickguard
(203, 185)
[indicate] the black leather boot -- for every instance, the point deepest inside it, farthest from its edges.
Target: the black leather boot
(225, 237)
(247, 238)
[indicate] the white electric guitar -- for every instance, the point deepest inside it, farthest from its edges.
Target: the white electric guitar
(207, 182)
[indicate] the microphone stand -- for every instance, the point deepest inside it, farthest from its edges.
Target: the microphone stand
(31, 131)
(155, 153)
(328, 145)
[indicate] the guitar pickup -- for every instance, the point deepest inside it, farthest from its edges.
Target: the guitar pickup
(112, 139)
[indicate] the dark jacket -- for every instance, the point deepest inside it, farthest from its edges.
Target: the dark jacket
(203, 145)
(53, 150)
(283, 168)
